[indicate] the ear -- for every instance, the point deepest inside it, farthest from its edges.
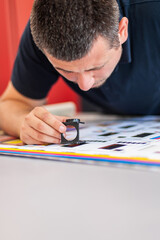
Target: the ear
(123, 30)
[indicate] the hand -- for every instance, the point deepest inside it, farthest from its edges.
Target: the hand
(41, 127)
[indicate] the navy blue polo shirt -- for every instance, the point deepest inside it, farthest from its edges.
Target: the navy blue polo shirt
(133, 87)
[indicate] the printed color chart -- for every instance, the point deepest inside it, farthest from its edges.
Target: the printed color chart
(124, 141)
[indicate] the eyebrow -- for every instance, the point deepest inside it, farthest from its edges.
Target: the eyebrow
(92, 69)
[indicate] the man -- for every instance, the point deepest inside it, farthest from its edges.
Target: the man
(86, 42)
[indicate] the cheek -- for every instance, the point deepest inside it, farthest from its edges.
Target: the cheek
(103, 73)
(106, 71)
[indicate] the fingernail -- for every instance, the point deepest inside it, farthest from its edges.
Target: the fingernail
(62, 129)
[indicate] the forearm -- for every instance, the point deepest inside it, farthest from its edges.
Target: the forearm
(12, 113)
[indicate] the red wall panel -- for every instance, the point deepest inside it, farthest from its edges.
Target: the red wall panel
(13, 18)
(23, 9)
(5, 67)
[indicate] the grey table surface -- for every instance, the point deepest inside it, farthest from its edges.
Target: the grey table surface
(42, 199)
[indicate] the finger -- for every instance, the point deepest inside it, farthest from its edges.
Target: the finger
(50, 119)
(40, 137)
(42, 127)
(30, 140)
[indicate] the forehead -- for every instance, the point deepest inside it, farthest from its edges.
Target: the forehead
(98, 55)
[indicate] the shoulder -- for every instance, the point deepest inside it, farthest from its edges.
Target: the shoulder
(135, 2)
(29, 53)
(27, 44)
(31, 68)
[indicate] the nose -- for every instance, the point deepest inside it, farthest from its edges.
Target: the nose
(85, 81)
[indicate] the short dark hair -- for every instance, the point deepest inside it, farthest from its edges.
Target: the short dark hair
(66, 29)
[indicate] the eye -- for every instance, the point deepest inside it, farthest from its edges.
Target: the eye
(71, 76)
(65, 71)
(68, 73)
(95, 69)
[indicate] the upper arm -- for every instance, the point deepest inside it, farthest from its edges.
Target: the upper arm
(12, 94)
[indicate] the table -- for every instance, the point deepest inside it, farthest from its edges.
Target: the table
(42, 199)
